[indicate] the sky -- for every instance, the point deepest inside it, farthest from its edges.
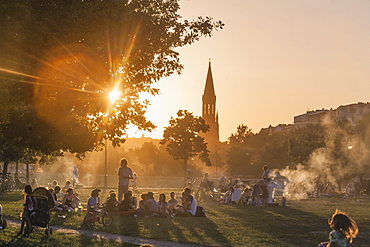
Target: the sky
(274, 59)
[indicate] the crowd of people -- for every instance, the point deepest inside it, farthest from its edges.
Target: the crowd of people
(125, 203)
(147, 206)
(261, 193)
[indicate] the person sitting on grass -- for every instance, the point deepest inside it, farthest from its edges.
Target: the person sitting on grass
(112, 203)
(189, 207)
(163, 206)
(34, 184)
(245, 196)
(172, 203)
(143, 209)
(235, 197)
(134, 199)
(226, 198)
(152, 204)
(53, 184)
(126, 208)
(67, 186)
(70, 200)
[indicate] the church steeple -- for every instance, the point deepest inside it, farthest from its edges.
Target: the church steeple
(209, 113)
(209, 89)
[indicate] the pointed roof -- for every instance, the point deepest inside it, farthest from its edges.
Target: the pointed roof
(209, 90)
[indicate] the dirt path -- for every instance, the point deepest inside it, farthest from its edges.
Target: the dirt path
(112, 237)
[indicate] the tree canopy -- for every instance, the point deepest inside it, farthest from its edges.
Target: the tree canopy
(183, 138)
(66, 57)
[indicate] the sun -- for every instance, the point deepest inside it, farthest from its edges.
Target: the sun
(114, 95)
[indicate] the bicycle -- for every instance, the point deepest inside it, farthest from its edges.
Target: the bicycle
(92, 217)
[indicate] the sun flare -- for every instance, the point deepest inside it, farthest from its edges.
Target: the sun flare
(114, 95)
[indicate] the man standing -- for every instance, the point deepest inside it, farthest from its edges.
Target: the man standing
(124, 174)
(266, 173)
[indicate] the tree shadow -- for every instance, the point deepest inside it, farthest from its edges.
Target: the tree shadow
(196, 230)
(290, 226)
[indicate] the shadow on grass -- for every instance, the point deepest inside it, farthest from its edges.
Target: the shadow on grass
(304, 226)
(38, 239)
(194, 230)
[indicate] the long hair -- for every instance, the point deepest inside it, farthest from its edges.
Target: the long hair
(340, 221)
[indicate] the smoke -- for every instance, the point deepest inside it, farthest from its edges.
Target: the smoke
(337, 164)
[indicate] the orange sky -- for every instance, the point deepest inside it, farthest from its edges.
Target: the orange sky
(273, 60)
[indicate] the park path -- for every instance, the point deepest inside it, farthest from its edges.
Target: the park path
(112, 237)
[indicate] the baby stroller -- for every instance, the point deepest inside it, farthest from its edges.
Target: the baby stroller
(40, 216)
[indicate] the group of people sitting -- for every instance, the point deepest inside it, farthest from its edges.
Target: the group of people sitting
(147, 206)
(65, 198)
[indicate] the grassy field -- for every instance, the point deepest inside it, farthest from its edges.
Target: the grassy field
(301, 223)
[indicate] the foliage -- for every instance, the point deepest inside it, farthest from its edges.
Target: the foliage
(241, 135)
(183, 138)
(305, 141)
(274, 154)
(65, 57)
(239, 160)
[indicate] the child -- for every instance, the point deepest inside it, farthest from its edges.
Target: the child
(92, 204)
(344, 230)
(112, 203)
(29, 205)
(163, 206)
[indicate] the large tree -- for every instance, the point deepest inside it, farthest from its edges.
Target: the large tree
(183, 138)
(73, 53)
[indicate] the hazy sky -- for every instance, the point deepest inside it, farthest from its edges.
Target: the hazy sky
(273, 60)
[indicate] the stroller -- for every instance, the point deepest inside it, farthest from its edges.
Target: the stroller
(40, 216)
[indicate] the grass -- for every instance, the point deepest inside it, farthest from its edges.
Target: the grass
(39, 239)
(301, 223)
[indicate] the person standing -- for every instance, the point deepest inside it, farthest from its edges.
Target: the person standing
(266, 173)
(75, 175)
(124, 176)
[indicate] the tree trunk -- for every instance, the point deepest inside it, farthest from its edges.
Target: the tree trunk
(28, 173)
(5, 168)
(16, 175)
(185, 161)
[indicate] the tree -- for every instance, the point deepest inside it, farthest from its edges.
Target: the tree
(183, 138)
(275, 155)
(147, 155)
(239, 161)
(305, 141)
(242, 133)
(73, 54)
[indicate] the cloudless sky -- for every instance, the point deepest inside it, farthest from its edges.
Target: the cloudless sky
(273, 60)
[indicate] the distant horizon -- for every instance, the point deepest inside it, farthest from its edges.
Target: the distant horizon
(143, 134)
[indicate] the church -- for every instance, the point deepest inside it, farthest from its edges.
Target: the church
(209, 111)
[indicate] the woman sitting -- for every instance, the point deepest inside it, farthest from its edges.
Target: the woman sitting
(70, 200)
(163, 206)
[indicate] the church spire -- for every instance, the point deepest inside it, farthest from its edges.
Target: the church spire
(209, 112)
(209, 89)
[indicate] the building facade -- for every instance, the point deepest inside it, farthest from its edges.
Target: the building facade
(351, 113)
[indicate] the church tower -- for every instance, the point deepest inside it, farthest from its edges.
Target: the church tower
(209, 112)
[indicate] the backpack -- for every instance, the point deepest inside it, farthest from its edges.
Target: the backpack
(200, 212)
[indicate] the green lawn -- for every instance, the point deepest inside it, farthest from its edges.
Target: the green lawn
(301, 223)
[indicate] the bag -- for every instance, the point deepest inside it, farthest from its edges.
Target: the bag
(200, 212)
